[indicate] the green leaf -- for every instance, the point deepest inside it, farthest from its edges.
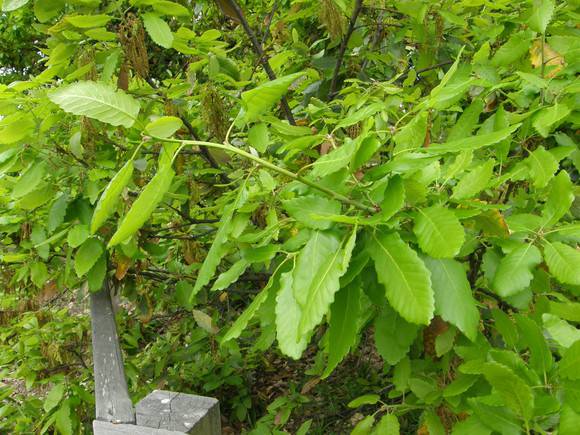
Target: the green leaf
(563, 262)
(97, 274)
(231, 275)
(569, 421)
(560, 331)
(560, 198)
(242, 321)
(367, 399)
(158, 30)
(63, 421)
(342, 332)
(514, 272)
(29, 180)
(87, 256)
(108, 201)
(474, 181)
(88, 21)
(38, 274)
(258, 136)
(543, 165)
(57, 212)
(335, 160)
(533, 338)
(515, 393)
(164, 127)
(467, 121)
(412, 135)
(454, 301)
(259, 100)
(393, 335)
(144, 205)
(517, 45)
(473, 142)
(406, 279)
(364, 426)
(310, 210)
(97, 100)
(77, 235)
(164, 7)
(542, 11)
(217, 250)
(288, 315)
(388, 425)
(319, 267)
(498, 418)
(53, 397)
(438, 232)
(12, 5)
(570, 362)
(548, 118)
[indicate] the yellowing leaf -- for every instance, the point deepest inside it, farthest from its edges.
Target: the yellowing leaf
(550, 58)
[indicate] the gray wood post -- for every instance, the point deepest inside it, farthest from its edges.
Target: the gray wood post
(161, 412)
(112, 399)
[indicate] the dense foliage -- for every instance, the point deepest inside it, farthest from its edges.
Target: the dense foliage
(384, 192)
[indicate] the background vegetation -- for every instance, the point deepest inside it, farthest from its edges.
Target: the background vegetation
(331, 215)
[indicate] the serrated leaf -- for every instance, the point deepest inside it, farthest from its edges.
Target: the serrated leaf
(242, 321)
(77, 235)
(393, 335)
(516, 46)
(474, 181)
(319, 267)
(515, 393)
(99, 101)
(412, 135)
(335, 160)
(563, 262)
(217, 250)
(258, 136)
(29, 180)
(467, 121)
(158, 30)
(388, 425)
(87, 255)
(164, 126)
(560, 331)
(310, 210)
(514, 272)
(454, 300)
(108, 201)
(439, 232)
(342, 332)
(549, 118)
(12, 5)
(568, 365)
(472, 142)
(63, 421)
(542, 11)
(560, 198)
(569, 421)
(97, 274)
(406, 280)
(57, 212)
(543, 165)
(165, 7)
(367, 399)
(288, 315)
(53, 397)
(231, 275)
(258, 100)
(532, 337)
(144, 205)
(88, 21)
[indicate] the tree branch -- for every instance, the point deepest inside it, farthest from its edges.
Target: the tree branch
(342, 51)
(262, 57)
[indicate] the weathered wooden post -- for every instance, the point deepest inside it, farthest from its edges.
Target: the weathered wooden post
(161, 412)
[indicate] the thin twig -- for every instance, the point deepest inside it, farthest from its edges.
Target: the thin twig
(422, 70)
(342, 51)
(263, 58)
